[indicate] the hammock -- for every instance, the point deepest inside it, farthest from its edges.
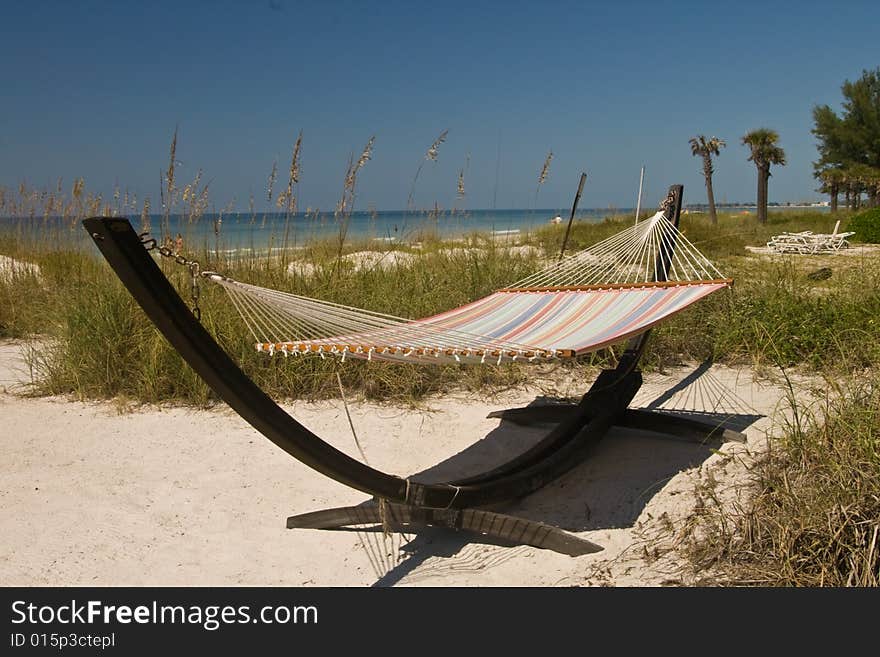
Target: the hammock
(617, 288)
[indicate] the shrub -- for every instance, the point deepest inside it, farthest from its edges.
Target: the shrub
(866, 226)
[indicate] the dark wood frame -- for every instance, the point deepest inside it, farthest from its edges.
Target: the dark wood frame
(455, 504)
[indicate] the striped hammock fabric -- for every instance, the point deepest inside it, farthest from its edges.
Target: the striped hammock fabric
(580, 304)
(516, 325)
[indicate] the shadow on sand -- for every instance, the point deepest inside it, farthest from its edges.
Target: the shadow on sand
(609, 490)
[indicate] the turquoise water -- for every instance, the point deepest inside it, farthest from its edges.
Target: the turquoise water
(248, 233)
(387, 226)
(259, 232)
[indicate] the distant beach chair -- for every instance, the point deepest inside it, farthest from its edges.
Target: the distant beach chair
(612, 292)
(808, 243)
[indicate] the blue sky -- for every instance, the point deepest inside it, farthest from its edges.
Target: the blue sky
(95, 89)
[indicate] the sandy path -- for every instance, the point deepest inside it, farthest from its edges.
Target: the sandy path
(185, 497)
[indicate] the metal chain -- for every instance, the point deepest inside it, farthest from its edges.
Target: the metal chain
(150, 244)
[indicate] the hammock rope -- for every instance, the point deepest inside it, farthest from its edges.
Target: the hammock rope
(628, 257)
(584, 302)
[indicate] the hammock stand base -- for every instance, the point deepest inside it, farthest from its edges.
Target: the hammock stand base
(513, 529)
(400, 518)
(457, 504)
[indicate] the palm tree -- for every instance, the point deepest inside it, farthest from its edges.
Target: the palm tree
(764, 152)
(706, 149)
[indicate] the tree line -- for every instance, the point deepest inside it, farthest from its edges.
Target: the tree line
(848, 144)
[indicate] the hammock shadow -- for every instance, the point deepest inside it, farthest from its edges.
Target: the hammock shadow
(609, 490)
(734, 421)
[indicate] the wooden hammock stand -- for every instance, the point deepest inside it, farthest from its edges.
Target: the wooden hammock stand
(403, 502)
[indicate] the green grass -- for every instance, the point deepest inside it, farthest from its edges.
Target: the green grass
(774, 314)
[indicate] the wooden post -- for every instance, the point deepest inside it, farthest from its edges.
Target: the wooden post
(577, 198)
(667, 244)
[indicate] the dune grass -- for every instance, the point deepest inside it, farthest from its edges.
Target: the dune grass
(813, 515)
(103, 346)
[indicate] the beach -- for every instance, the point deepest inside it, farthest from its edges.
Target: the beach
(93, 494)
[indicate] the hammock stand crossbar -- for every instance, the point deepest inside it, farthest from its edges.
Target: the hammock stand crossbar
(399, 501)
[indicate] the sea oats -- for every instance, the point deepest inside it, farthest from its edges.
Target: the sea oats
(289, 197)
(94, 204)
(170, 175)
(197, 180)
(461, 175)
(193, 197)
(545, 168)
(432, 151)
(347, 184)
(48, 207)
(203, 199)
(272, 177)
(367, 154)
(543, 176)
(294, 162)
(431, 154)
(348, 188)
(145, 216)
(162, 189)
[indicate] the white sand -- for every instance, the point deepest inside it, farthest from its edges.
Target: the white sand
(387, 260)
(382, 260)
(521, 251)
(10, 267)
(184, 497)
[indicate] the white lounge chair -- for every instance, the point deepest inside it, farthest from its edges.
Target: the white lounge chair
(808, 243)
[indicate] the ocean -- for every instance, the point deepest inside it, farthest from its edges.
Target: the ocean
(249, 233)
(387, 226)
(246, 232)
